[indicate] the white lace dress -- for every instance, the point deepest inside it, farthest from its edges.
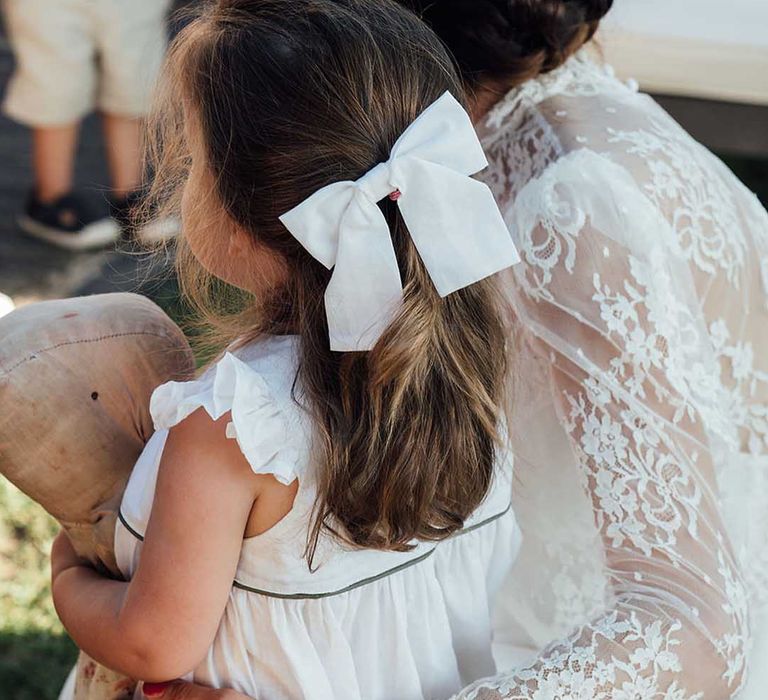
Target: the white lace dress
(642, 454)
(365, 623)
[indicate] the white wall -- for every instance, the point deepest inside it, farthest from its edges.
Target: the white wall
(722, 21)
(715, 49)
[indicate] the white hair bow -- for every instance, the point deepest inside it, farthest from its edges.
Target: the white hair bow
(453, 219)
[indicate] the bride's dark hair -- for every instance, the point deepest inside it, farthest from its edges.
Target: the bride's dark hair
(510, 41)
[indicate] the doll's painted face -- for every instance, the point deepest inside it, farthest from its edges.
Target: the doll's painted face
(220, 245)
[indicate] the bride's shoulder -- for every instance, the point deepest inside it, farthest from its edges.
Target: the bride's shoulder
(580, 107)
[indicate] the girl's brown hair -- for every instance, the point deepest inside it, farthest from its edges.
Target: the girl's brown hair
(290, 96)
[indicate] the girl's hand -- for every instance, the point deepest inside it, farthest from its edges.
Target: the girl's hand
(63, 555)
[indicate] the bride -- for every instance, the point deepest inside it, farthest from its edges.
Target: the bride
(642, 302)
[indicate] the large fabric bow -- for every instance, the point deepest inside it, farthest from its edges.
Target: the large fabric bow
(453, 220)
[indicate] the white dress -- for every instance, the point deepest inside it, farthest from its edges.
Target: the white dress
(365, 624)
(641, 472)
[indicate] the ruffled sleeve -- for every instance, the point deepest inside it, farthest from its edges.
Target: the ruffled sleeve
(258, 423)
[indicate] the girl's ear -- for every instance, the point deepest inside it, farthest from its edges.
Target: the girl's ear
(247, 263)
(238, 244)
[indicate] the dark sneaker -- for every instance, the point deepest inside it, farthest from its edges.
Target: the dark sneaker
(71, 222)
(154, 232)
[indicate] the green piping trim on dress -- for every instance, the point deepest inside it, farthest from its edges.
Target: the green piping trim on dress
(357, 584)
(329, 594)
(122, 519)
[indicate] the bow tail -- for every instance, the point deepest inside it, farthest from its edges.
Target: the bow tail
(456, 226)
(365, 292)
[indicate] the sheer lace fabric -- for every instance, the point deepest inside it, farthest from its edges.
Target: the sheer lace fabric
(642, 419)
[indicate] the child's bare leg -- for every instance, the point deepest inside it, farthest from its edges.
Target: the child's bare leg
(54, 212)
(53, 159)
(123, 138)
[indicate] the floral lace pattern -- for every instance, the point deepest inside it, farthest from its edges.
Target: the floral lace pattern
(576, 669)
(702, 206)
(642, 290)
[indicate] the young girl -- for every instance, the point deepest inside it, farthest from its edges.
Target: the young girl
(325, 513)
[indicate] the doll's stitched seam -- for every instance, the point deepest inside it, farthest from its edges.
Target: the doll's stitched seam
(33, 355)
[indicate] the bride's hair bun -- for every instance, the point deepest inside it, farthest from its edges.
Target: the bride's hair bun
(511, 40)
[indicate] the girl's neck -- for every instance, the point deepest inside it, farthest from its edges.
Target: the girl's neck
(486, 96)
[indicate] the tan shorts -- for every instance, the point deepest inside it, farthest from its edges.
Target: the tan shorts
(73, 56)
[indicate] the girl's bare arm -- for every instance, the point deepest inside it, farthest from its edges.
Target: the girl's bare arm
(160, 625)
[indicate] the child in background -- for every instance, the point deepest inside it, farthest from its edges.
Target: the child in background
(72, 56)
(325, 513)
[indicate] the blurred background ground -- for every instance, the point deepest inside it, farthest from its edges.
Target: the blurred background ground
(35, 653)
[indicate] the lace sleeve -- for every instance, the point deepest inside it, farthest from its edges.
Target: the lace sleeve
(612, 307)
